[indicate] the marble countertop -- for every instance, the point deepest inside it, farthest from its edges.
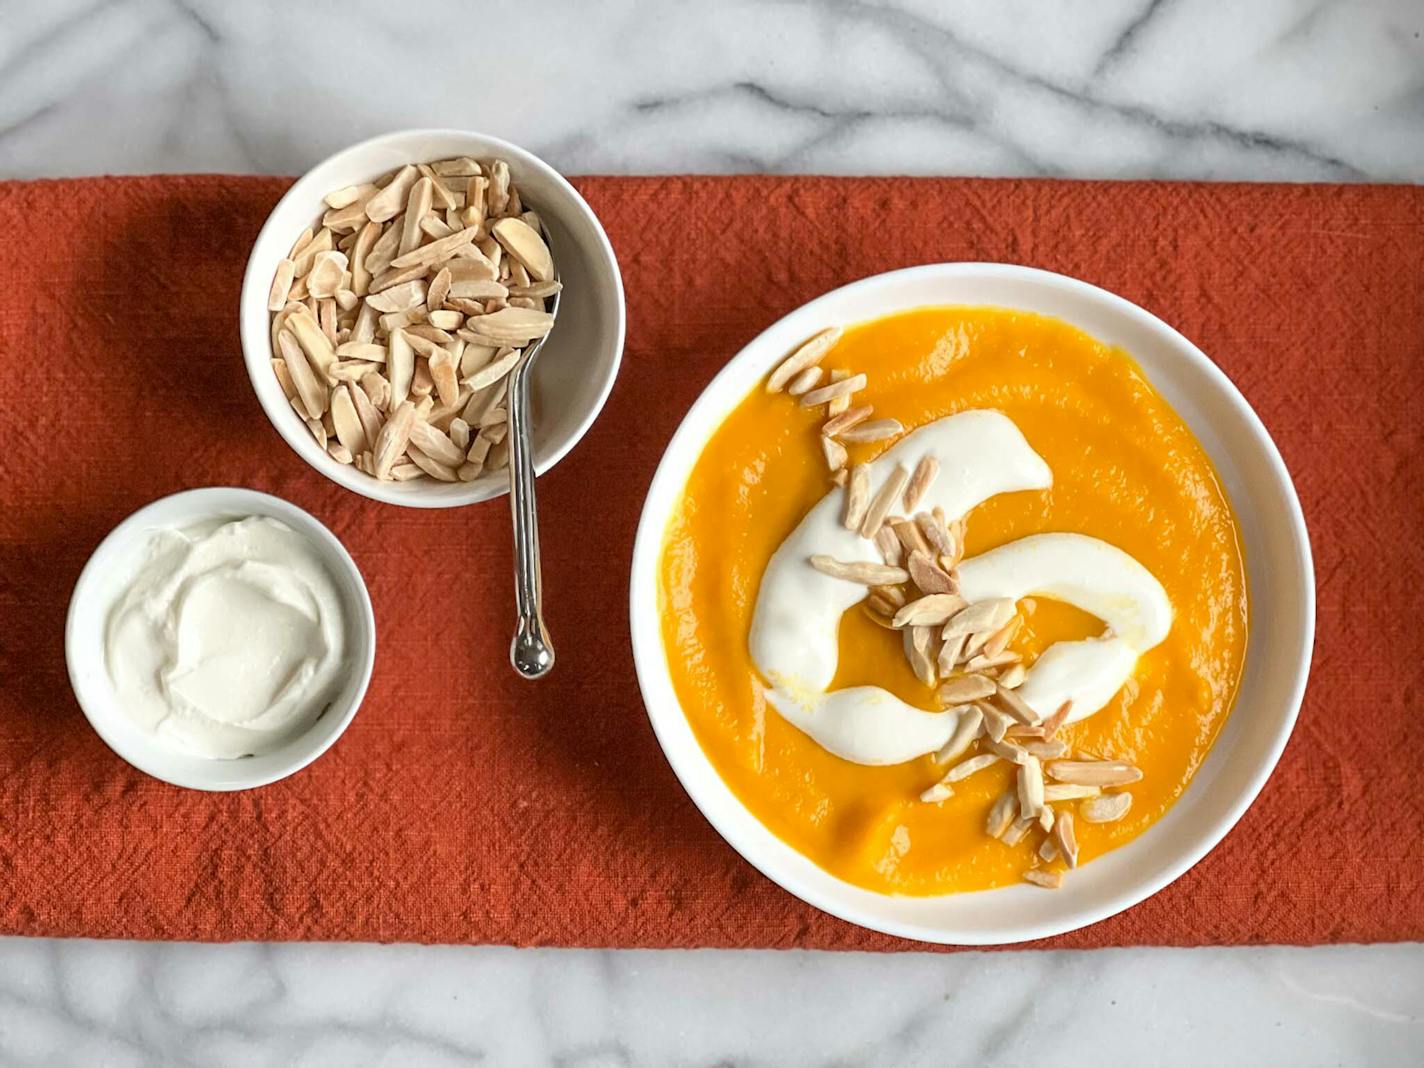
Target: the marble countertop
(1273, 90)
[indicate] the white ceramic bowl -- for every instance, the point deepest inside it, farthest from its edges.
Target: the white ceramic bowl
(576, 367)
(1278, 655)
(102, 583)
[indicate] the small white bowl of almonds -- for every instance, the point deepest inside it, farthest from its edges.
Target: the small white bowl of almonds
(394, 289)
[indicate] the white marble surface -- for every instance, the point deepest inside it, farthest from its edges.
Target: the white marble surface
(1220, 89)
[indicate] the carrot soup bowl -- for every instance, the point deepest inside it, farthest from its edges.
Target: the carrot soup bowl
(1278, 572)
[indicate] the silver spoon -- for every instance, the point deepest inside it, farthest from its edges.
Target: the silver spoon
(530, 652)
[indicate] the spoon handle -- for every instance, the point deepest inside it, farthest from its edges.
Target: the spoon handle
(530, 651)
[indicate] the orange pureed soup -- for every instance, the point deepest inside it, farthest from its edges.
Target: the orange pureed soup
(1125, 469)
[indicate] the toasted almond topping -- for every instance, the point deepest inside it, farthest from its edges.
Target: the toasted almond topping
(863, 573)
(810, 353)
(983, 615)
(883, 500)
(881, 609)
(1017, 830)
(929, 576)
(1008, 750)
(1047, 750)
(838, 404)
(844, 388)
(1049, 880)
(1030, 784)
(1065, 838)
(1001, 815)
(894, 594)
(996, 723)
(966, 768)
(920, 481)
(835, 453)
(909, 535)
(965, 688)
(965, 732)
(842, 422)
(1048, 848)
(889, 546)
(922, 661)
(1059, 717)
(1093, 772)
(1059, 791)
(857, 498)
(929, 611)
(940, 791)
(1013, 677)
(997, 642)
(875, 430)
(990, 663)
(1016, 706)
(804, 382)
(949, 651)
(1109, 808)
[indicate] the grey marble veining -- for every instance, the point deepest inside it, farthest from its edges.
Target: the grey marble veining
(1292, 90)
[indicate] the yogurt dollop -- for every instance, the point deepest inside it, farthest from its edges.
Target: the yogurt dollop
(230, 638)
(794, 634)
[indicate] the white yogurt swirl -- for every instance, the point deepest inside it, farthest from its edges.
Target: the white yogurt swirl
(794, 633)
(230, 638)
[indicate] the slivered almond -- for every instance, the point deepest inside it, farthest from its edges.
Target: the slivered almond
(929, 576)
(966, 768)
(965, 688)
(1059, 717)
(422, 385)
(857, 498)
(980, 616)
(965, 732)
(920, 646)
(874, 430)
(371, 419)
(338, 452)
(1016, 830)
(838, 424)
(1008, 750)
(387, 204)
(436, 444)
(1093, 772)
(513, 326)
(400, 365)
(324, 278)
(991, 663)
(894, 594)
(281, 285)
(844, 388)
(920, 482)
(311, 389)
(493, 372)
(1013, 676)
(804, 382)
(318, 431)
(909, 535)
(866, 574)
(284, 377)
(1065, 838)
(377, 389)
(346, 422)
(948, 651)
(362, 350)
(398, 298)
(1015, 706)
(1108, 808)
(834, 452)
(439, 288)
(465, 291)
(442, 370)
(928, 611)
(838, 404)
(1048, 848)
(1062, 791)
(940, 791)
(431, 466)
(1046, 750)
(996, 723)
(438, 251)
(321, 354)
(891, 551)
(416, 208)
(303, 239)
(302, 261)
(810, 353)
(1030, 786)
(1001, 815)
(884, 499)
(999, 640)
(1049, 880)
(394, 437)
(523, 242)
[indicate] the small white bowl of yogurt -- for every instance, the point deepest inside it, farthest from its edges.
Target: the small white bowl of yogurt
(220, 639)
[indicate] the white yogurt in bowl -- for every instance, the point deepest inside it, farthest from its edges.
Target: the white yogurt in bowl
(220, 639)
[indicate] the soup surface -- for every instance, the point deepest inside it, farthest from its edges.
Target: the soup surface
(1125, 469)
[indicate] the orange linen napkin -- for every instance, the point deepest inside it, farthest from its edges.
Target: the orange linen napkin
(464, 805)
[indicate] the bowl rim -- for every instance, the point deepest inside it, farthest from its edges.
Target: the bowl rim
(257, 352)
(691, 765)
(217, 500)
